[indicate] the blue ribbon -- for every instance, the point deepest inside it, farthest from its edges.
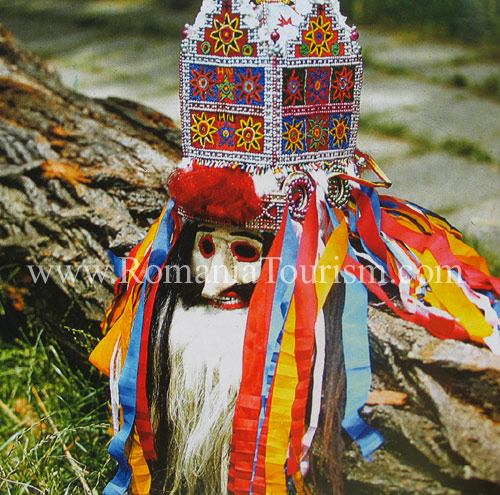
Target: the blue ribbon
(356, 359)
(127, 384)
(494, 301)
(375, 201)
(118, 263)
(281, 304)
(357, 365)
(496, 307)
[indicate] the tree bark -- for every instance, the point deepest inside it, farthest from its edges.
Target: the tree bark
(79, 176)
(445, 440)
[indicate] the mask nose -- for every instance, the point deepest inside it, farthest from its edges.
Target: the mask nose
(220, 274)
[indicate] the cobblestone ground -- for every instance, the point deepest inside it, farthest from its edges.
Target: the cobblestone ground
(430, 110)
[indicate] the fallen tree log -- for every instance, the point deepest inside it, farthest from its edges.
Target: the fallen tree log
(79, 176)
(445, 439)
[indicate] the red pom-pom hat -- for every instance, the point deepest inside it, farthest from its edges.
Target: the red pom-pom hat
(221, 195)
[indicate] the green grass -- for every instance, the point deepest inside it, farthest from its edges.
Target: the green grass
(489, 87)
(387, 69)
(420, 144)
(458, 80)
(467, 21)
(466, 149)
(53, 424)
(372, 123)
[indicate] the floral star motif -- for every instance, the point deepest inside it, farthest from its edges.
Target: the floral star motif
(249, 135)
(227, 34)
(293, 90)
(294, 136)
(249, 87)
(203, 83)
(226, 134)
(320, 36)
(318, 85)
(203, 129)
(226, 89)
(318, 133)
(342, 84)
(340, 131)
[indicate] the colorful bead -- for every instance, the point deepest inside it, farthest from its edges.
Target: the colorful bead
(280, 96)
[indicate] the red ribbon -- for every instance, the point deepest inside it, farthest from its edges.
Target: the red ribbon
(248, 404)
(306, 308)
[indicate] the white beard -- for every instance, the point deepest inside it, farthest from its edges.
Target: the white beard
(205, 355)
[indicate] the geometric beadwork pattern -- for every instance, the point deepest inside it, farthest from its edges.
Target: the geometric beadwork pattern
(269, 85)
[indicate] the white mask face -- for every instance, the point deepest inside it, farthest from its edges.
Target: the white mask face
(225, 260)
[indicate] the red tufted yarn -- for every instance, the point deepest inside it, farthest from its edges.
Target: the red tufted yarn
(222, 195)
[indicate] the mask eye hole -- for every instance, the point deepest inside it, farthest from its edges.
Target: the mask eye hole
(206, 246)
(244, 251)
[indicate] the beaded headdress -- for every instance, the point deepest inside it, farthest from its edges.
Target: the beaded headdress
(272, 88)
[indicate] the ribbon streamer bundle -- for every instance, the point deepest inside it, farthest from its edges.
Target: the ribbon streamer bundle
(444, 285)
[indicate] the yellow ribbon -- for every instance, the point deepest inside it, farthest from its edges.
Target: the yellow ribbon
(280, 417)
(453, 298)
(141, 477)
(101, 355)
(286, 379)
(331, 262)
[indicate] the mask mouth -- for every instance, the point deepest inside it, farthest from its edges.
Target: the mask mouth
(228, 303)
(236, 297)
